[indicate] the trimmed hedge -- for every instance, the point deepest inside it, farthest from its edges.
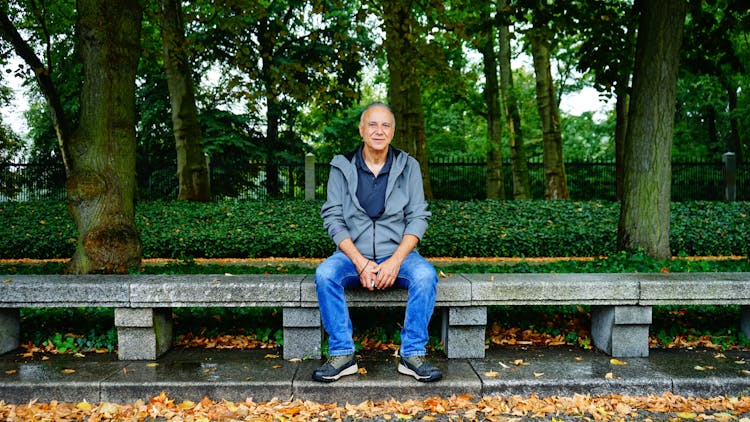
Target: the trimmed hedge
(42, 230)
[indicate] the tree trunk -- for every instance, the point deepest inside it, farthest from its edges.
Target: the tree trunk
(735, 141)
(621, 131)
(404, 85)
(101, 183)
(192, 170)
(495, 184)
(645, 209)
(555, 185)
(518, 162)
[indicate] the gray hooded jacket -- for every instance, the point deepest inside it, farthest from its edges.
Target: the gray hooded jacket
(405, 207)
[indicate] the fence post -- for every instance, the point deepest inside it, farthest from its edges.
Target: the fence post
(309, 176)
(730, 176)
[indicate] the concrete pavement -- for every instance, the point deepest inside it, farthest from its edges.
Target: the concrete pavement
(236, 375)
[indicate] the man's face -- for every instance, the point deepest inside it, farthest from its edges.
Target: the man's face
(377, 128)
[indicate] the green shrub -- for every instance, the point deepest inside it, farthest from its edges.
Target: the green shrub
(487, 228)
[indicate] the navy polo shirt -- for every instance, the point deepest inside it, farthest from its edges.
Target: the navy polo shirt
(371, 188)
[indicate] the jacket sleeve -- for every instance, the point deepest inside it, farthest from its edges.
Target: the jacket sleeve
(332, 211)
(415, 212)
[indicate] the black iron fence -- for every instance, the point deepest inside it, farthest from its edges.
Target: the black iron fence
(450, 180)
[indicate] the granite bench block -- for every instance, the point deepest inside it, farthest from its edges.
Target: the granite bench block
(216, 290)
(716, 288)
(10, 330)
(55, 290)
(621, 331)
(553, 289)
(144, 333)
(463, 332)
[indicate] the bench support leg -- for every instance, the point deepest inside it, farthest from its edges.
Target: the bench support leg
(143, 333)
(10, 330)
(745, 320)
(621, 331)
(302, 333)
(463, 332)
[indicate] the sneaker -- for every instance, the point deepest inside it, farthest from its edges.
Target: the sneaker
(335, 368)
(419, 368)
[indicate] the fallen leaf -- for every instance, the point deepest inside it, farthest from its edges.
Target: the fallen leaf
(441, 274)
(402, 416)
(68, 371)
(362, 371)
(745, 372)
(277, 366)
(520, 362)
(719, 356)
(10, 372)
(617, 362)
(538, 374)
(686, 415)
(491, 374)
(83, 406)
(740, 362)
(271, 356)
(295, 360)
(579, 358)
(152, 364)
(609, 375)
(504, 365)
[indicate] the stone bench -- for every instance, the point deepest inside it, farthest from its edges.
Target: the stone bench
(620, 304)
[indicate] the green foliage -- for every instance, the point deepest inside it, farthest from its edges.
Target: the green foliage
(229, 229)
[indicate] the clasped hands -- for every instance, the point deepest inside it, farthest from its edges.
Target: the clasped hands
(378, 276)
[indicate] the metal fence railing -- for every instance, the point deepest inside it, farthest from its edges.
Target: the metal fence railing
(450, 180)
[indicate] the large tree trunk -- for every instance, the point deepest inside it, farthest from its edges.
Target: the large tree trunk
(519, 165)
(645, 209)
(101, 183)
(621, 130)
(192, 169)
(404, 84)
(495, 184)
(555, 185)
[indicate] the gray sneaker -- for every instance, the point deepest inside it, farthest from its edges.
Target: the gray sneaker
(335, 368)
(419, 368)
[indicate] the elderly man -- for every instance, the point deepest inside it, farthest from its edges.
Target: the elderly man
(376, 214)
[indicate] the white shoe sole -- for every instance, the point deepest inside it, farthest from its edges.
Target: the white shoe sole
(348, 371)
(403, 369)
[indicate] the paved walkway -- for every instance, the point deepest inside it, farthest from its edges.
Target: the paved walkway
(236, 375)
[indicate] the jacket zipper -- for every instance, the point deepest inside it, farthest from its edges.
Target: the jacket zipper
(374, 254)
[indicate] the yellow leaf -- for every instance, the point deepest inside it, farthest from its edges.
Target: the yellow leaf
(740, 362)
(10, 372)
(277, 366)
(187, 404)
(491, 374)
(403, 417)
(686, 415)
(295, 360)
(271, 356)
(68, 371)
(745, 372)
(441, 274)
(362, 371)
(504, 365)
(152, 364)
(538, 374)
(614, 361)
(83, 406)
(719, 356)
(609, 375)
(699, 368)
(428, 418)
(579, 358)
(520, 362)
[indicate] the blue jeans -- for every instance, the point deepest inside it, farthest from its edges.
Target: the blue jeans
(337, 273)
